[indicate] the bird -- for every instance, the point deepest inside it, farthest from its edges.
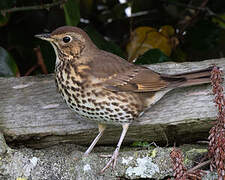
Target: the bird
(103, 87)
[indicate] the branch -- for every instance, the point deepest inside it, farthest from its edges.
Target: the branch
(204, 9)
(33, 112)
(201, 8)
(194, 17)
(40, 60)
(36, 7)
(211, 13)
(184, 5)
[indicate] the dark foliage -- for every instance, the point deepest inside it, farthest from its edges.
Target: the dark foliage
(194, 30)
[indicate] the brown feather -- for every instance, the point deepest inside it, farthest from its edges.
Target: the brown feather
(87, 79)
(116, 74)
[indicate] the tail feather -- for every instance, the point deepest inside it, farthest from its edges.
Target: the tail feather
(191, 78)
(196, 74)
(196, 77)
(192, 82)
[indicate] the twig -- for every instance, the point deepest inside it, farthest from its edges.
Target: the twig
(40, 63)
(199, 166)
(204, 9)
(184, 5)
(194, 17)
(36, 7)
(211, 13)
(40, 60)
(31, 70)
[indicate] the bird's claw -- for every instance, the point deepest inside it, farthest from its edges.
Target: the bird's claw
(112, 160)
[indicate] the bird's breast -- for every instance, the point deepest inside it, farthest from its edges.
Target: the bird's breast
(90, 100)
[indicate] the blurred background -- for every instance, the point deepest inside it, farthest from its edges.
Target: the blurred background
(141, 31)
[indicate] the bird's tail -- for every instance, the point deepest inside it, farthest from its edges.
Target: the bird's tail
(193, 78)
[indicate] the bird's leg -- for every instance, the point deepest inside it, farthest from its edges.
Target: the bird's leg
(101, 129)
(113, 158)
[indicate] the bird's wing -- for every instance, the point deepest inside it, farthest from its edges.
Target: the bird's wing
(116, 74)
(136, 80)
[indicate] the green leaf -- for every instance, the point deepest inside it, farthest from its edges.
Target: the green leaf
(101, 43)
(4, 19)
(219, 20)
(8, 66)
(152, 56)
(72, 12)
(140, 144)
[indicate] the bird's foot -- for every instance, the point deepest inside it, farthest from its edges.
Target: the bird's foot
(112, 160)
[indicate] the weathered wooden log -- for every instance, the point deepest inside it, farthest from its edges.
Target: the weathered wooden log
(33, 113)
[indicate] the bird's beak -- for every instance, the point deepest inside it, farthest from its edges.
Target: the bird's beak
(46, 37)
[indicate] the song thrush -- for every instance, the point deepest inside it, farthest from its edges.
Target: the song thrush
(105, 88)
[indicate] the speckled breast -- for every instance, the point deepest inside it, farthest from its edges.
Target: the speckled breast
(95, 103)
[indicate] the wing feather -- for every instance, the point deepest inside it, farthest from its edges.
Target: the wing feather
(116, 74)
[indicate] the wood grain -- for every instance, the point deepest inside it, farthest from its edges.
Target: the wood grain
(33, 113)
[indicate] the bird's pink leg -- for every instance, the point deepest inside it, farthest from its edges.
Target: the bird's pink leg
(113, 158)
(101, 129)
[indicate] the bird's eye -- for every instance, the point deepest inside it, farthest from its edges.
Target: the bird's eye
(66, 39)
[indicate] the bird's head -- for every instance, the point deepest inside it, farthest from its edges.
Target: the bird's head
(68, 42)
